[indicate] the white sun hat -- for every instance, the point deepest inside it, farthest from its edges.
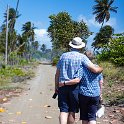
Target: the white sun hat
(77, 43)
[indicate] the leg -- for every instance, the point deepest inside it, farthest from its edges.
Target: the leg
(63, 118)
(71, 118)
(73, 103)
(83, 102)
(84, 122)
(63, 105)
(94, 101)
(92, 122)
(77, 118)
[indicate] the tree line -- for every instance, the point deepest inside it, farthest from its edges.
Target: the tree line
(19, 44)
(62, 29)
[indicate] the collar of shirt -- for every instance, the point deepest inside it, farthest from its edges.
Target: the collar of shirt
(73, 49)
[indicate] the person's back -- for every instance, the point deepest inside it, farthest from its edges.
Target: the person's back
(89, 93)
(89, 85)
(69, 64)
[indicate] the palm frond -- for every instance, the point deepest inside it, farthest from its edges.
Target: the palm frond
(111, 2)
(113, 9)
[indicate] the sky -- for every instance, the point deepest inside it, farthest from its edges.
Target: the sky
(38, 12)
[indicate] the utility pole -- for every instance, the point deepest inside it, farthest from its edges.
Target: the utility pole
(6, 53)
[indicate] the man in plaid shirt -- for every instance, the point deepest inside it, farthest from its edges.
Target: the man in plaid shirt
(68, 65)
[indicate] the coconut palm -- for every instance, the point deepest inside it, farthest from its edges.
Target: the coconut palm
(35, 45)
(102, 10)
(13, 15)
(28, 33)
(28, 30)
(43, 48)
(12, 35)
(102, 39)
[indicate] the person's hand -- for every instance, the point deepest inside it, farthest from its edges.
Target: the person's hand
(56, 91)
(61, 84)
(101, 99)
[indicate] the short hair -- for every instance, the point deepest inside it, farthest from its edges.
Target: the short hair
(89, 54)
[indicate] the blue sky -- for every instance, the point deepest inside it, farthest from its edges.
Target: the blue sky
(38, 11)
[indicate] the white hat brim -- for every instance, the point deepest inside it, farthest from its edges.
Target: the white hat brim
(77, 47)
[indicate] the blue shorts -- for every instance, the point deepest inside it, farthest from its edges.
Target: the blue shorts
(88, 107)
(68, 99)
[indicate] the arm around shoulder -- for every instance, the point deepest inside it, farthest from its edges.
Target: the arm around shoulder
(70, 82)
(94, 68)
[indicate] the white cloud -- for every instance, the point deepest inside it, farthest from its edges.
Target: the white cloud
(90, 40)
(81, 17)
(112, 22)
(89, 22)
(42, 37)
(92, 23)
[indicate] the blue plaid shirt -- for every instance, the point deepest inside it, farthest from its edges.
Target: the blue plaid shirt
(70, 63)
(89, 84)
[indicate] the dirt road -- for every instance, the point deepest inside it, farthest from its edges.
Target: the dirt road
(35, 104)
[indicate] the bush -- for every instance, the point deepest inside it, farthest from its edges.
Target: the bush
(23, 62)
(55, 61)
(103, 56)
(112, 73)
(114, 51)
(118, 61)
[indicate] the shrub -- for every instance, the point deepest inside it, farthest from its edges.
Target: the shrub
(114, 52)
(103, 56)
(55, 61)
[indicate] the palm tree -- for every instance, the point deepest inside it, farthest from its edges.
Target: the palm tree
(28, 30)
(35, 45)
(43, 48)
(13, 15)
(102, 10)
(102, 39)
(28, 33)
(12, 34)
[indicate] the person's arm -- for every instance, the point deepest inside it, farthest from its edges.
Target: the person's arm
(101, 86)
(77, 77)
(94, 68)
(70, 82)
(57, 79)
(57, 74)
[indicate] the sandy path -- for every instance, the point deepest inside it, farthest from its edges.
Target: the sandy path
(30, 106)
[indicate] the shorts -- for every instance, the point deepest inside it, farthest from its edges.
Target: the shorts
(68, 99)
(88, 107)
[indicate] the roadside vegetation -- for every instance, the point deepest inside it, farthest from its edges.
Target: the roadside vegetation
(22, 50)
(12, 75)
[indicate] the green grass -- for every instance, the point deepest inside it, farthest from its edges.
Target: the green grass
(112, 73)
(113, 83)
(8, 73)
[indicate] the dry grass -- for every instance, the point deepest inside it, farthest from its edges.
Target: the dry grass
(113, 83)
